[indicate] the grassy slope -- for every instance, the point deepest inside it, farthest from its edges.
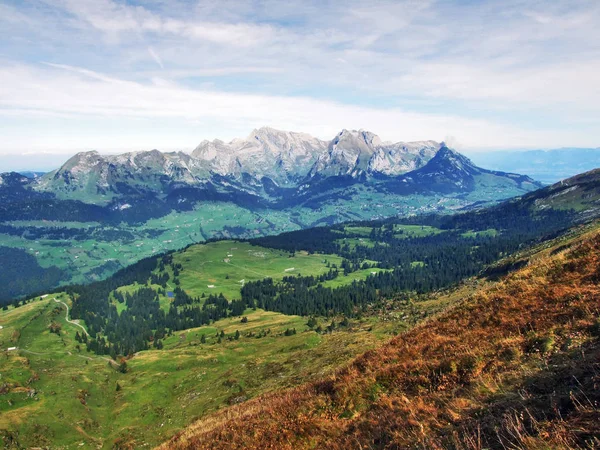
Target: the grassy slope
(209, 264)
(44, 382)
(165, 390)
(513, 366)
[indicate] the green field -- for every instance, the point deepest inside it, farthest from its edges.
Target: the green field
(57, 395)
(471, 234)
(354, 276)
(227, 265)
(408, 231)
(360, 231)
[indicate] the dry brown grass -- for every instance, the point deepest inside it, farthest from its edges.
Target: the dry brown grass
(515, 366)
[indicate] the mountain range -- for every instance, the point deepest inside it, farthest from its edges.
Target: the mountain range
(121, 208)
(276, 166)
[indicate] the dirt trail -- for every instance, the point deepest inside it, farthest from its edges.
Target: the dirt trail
(71, 321)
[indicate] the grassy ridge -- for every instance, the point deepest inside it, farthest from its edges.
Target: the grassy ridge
(514, 365)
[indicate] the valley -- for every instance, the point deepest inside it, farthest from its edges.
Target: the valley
(192, 333)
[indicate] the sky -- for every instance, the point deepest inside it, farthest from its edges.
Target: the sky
(121, 75)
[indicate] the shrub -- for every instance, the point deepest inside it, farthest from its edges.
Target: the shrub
(595, 328)
(470, 366)
(448, 366)
(510, 353)
(539, 344)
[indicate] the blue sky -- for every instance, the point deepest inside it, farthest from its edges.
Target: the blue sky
(117, 75)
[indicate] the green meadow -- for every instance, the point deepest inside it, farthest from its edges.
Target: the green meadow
(56, 394)
(408, 231)
(224, 266)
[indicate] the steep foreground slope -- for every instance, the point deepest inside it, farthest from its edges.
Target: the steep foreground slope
(515, 365)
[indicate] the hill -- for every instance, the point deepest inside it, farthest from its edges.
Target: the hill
(513, 365)
(182, 335)
(56, 394)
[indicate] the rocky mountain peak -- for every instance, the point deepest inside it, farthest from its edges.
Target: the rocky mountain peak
(452, 160)
(82, 161)
(362, 136)
(265, 133)
(282, 156)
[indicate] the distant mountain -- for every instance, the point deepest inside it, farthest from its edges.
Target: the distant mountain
(89, 176)
(358, 153)
(450, 172)
(15, 187)
(547, 166)
(12, 180)
(271, 167)
(30, 174)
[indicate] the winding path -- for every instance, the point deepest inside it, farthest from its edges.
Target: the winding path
(71, 321)
(112, 362)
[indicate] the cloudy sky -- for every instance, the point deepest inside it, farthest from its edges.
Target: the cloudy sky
(140, 74)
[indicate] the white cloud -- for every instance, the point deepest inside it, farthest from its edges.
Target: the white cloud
(115, 19)
(78, 93)
(492, 73)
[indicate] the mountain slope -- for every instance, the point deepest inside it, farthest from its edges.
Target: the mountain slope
(90, 176)
(514, 364)
(580, 192)
(449, 172)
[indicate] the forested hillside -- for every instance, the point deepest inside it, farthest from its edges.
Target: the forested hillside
(378, 260)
